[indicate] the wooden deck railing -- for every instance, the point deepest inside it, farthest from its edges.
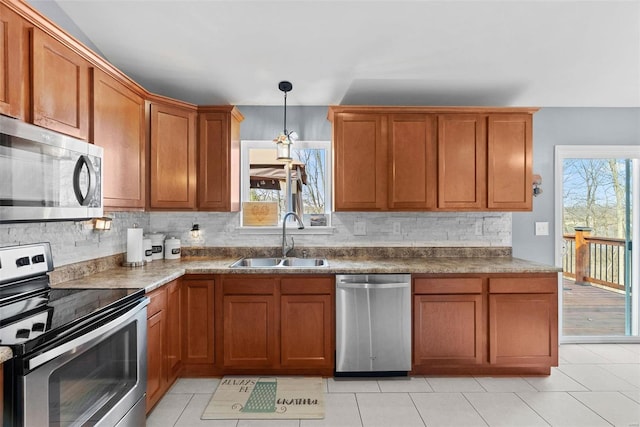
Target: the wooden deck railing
(590, 259)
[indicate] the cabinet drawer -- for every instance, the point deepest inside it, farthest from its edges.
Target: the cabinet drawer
(523, 285)
(450, 285)
(158, 301)
(249, 285)
(307, 285)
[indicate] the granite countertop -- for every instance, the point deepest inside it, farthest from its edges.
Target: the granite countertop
(160, 272)
(5, 354)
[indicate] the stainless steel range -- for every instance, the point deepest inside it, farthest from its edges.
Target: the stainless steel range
(79, 354)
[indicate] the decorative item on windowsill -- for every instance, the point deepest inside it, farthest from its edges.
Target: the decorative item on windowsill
(102, 224)
(285, 139)
(537, 182)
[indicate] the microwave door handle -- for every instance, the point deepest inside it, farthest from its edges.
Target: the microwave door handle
(82, 161)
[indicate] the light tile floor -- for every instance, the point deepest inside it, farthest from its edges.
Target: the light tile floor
(595, 385)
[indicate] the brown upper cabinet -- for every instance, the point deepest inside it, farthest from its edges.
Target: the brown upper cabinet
(173, 157)
(219, 158)
(432, 158)
(510, 152)
(60, 87)
(360, 167)
(461, 161)
(14, 65)
(119, 125)
(412, 161)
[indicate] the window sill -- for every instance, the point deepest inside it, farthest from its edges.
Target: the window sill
(293, 230)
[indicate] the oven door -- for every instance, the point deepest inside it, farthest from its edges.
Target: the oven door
(97, 379)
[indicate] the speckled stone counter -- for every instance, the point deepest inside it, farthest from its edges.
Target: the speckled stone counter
(5, 354)
(158, 273)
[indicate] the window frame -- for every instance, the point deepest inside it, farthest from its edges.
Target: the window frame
(246, 145)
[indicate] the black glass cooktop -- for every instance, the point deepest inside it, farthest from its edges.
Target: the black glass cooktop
(42, 317)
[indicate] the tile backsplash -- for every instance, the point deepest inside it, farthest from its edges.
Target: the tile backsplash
(76, 241)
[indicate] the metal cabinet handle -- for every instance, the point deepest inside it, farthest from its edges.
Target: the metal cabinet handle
(82, 161)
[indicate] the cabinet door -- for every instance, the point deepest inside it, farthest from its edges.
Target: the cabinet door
(198, 310)
(219, 161)
(60, 87)
(413, 165)
(174, 330)
(523, 321)
(250, 331)
(448, 329)
(14, 67)
(119, 128)
(306, 331)
(173, 157)
(509, 171)
(461, 161)
(156, 377)
(360, 169)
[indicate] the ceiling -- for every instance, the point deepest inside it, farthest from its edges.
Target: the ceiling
(560, 53)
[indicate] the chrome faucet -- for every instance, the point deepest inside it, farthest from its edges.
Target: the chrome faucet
(285, 248)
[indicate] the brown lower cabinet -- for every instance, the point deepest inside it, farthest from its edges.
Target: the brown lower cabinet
(163, 340)
(485, 324)
(276, 324)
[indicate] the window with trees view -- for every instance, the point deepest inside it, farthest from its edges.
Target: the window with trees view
(264, 178)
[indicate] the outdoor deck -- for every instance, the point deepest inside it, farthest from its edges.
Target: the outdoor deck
(590, 310)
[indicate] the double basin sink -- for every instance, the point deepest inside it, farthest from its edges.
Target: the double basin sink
(279, 263)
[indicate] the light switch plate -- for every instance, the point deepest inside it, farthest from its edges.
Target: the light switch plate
(542, 228)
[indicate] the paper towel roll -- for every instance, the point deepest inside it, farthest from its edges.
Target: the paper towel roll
(135, 251)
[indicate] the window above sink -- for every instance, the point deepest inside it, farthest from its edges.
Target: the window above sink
(263, 179)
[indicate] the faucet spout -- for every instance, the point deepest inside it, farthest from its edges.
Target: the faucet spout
(285, 247)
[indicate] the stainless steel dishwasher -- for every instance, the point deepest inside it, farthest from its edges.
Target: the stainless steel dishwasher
(373, 324)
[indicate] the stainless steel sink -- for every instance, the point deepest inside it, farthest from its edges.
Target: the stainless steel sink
(279, 262)
(257, 262)
(304, 262)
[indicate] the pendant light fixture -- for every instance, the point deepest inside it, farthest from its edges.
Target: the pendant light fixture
(284, 141)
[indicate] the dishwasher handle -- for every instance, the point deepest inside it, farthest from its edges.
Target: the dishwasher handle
(345, 284)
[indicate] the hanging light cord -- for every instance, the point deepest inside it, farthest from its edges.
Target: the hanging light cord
(285, 115)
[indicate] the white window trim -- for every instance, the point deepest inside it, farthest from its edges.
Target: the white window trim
(246, 145)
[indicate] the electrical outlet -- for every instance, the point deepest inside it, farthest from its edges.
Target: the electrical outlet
(397, 230)
(542, 228)
(360, 228)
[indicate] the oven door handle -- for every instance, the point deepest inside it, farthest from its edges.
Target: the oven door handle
(101, 331)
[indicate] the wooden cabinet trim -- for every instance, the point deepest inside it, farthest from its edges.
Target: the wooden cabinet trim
(444, 285)
(307, 285)
(519, 285)
(157, 301)
(255, 286)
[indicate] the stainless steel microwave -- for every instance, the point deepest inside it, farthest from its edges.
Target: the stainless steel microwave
(45, 175)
